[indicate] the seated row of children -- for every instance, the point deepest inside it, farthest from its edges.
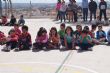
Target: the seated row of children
(4, 21)
(65, 38)
(16, 39)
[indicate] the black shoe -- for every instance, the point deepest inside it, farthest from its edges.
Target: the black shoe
(5, 50)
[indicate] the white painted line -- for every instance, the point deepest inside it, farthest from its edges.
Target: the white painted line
(45, 63)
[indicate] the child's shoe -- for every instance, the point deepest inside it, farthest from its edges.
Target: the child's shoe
(90, 49)
(62, 47)
(44, 48)
(6, 49)
(16, 50)
(80, 50)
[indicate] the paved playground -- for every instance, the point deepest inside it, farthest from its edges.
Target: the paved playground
(54, 61)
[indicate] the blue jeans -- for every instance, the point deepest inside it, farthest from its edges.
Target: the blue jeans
(62, 15)
(85, 14)
(21, 22)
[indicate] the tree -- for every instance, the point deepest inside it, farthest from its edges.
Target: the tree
(0, 8)
(8, 7)
(11, 7)
(6, 10)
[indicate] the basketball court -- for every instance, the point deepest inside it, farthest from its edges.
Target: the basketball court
(54, 61)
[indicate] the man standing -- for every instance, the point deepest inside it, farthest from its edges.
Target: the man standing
(103, 8)
(93, 9)
(85, 6)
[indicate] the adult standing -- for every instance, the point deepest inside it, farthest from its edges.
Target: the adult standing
(103, 8)
(92, 9)
(74, 8)
(63, 9)
(85, 6)
(58, 9)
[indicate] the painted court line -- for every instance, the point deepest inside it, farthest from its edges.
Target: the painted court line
(63, 62)
(57, 64)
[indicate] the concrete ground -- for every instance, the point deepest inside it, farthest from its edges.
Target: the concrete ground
(54, 61)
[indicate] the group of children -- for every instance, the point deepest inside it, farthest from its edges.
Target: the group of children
(66, 38)
(16, 39)
(13, 20)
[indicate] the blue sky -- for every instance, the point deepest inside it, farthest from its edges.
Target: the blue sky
(38, 1)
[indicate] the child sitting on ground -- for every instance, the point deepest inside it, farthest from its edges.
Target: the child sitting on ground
(101, 35)
(2, 38)
(21, 20)
(41, 41)
(93, 29)
(77, 34)
(17, 30)
(85, 41)
(92, 32)
(69, 38)
(4, 21)
(88, 30)
(54, 39)
(12, 21)
(24, 41)
(12, 41)
(62, 34)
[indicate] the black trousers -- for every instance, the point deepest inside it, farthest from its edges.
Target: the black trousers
(24, 46)
(13, 44)
(103, 12)
(75, 16)
(58, 15)
(62, 41)
(62, 15)
(92, 13)
(40, 45)
(69, 46)
(85, 14)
